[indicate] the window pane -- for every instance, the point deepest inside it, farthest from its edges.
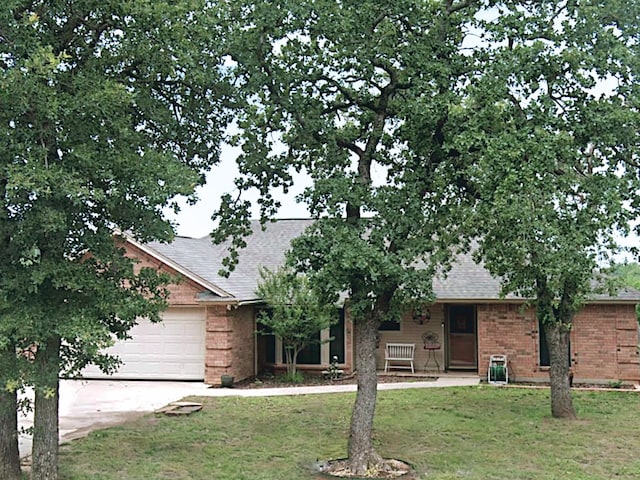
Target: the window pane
(462, 319)
(310, 355)
(545, 358)
(390, 326)
(336, 347)
(267, 341)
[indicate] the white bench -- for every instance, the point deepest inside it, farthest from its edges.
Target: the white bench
(399, 352)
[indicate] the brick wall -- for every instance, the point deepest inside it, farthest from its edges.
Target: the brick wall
(604, 342)
(243, 342)
(503, 329)
(218, 343)
(184, 292)
(230, 344)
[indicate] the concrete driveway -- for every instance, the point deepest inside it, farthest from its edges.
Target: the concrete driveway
(87, 405)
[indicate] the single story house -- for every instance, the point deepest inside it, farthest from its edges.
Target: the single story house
(210, 326)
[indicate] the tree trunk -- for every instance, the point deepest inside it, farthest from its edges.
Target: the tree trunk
(558, 342)
(9, 454)
(362, 455)
(45, 421)
(288, 359)
(294, 361)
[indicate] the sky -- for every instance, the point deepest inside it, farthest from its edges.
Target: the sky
(195, 220)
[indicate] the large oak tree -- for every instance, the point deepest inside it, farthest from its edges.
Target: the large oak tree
(355, 95)
(552, 124)
(108, 110)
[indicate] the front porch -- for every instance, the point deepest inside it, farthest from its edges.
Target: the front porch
(444, 336)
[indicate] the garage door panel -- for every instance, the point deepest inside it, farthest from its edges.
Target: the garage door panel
(175, 349)
(172, 350)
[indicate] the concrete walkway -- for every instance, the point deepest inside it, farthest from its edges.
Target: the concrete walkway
(87, 405)
(316, 389)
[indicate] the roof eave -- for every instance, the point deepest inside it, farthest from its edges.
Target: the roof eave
(179, 268)
(230, 301)
(610, 301)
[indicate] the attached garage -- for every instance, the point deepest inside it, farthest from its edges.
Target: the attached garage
(171, 350)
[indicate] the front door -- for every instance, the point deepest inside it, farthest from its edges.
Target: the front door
(461, 337)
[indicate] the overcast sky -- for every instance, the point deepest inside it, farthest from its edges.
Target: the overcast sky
(195, 220)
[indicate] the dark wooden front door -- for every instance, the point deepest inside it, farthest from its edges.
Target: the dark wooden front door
(461, 337)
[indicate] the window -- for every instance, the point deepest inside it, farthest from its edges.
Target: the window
(543, 350)
(336, 346)
(309, 355)
(313, 354)
(267, 341)
(389, 326)
(462, 319)
(545, 359)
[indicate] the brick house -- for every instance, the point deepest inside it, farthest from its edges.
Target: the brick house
(210, 326)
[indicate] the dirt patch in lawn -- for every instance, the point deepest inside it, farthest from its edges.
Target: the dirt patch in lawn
(390, 469)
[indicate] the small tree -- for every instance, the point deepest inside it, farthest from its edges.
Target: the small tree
(297, 314)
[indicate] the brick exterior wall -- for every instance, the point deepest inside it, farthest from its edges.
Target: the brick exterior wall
(185, 292)
(503, 329)
(604, 342)
(230, 343)
(243, 342)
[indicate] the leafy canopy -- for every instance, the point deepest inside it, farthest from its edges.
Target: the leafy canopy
(356, 96)
(108, 110)
(552, 127)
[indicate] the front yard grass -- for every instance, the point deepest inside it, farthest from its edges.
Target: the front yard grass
(454, 433)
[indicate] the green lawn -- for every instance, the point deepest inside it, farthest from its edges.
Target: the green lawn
(456, 433)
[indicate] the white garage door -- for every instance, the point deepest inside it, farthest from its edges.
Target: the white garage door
(171, 350)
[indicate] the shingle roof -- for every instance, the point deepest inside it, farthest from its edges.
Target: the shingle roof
(466, 281)
(265, 248)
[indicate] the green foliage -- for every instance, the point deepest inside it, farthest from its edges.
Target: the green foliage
(404, 114)
(108, 110)
(553, 119)
(105, 117)
(296, 314)
(294, 377)
(628, 274)
(551, 129)
(357, 97)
